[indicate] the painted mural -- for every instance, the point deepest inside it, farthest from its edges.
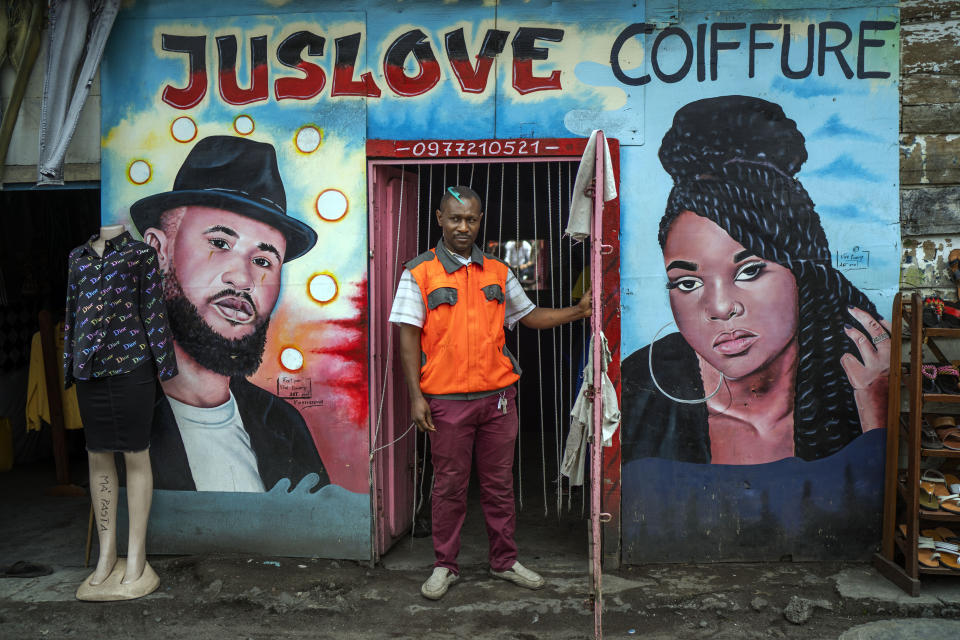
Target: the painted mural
(758, 193)
(756, 355)
(776, 369)
(255, 203)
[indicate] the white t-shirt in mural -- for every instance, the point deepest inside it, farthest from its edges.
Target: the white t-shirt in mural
(218, 447)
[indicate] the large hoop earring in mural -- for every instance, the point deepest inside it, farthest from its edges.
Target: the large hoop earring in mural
(657, 384)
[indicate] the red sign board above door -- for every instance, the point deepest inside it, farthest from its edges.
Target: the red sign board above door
(491, 148)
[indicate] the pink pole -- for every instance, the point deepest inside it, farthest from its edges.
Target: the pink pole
(596, 322)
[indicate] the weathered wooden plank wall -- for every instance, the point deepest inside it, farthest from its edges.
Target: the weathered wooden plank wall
(929, 142)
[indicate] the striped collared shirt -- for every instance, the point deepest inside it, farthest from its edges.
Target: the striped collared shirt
(408, 306)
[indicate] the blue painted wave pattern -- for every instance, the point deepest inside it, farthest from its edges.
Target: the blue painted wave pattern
(331, 523)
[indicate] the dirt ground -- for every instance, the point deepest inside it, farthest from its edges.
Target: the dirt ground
(250, 596)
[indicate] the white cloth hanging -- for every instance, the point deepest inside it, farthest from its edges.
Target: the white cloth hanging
(581, 417)
(581, 205)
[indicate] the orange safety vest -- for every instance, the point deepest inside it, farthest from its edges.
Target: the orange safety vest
(462, 341)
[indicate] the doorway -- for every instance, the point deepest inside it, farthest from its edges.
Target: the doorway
(526, 206)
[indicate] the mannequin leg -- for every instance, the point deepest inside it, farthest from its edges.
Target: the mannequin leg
(103, 493)
(139, 498)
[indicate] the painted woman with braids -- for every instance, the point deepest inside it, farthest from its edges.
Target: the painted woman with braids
(777, 354)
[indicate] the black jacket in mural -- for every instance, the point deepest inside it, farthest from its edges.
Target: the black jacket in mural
(654, 426)
(115, 316)
(278, 436)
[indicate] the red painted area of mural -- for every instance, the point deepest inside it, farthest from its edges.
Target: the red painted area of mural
(230, 90)
(288, 54)
(525, 82)
(233, 94)
(525, 52)
(345, 85)
(407, 86)
(491, 148)
(190, 95)
(301, 88)
(335, 407)
(196, 49)
(473, 79)
(412, 42)
(348, 48)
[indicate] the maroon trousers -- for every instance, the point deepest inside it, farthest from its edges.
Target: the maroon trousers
(465, 427)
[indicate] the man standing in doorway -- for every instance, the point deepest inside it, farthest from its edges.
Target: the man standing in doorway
(452, 304)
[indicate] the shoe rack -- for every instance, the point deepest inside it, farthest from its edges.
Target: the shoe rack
(898, 556)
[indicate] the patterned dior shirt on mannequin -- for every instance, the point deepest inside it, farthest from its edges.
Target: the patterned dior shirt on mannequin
(115, 316)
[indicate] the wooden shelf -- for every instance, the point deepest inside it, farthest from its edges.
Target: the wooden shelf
(939, 516)
(941, 397)
(895, 573)
(933, 332)
(939, 453)
(941, 570)
(898, 558)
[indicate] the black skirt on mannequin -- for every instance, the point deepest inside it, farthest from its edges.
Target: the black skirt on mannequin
(117, 411)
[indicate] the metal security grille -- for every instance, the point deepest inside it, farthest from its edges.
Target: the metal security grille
(523, 200)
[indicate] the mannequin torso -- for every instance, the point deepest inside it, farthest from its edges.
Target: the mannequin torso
(106, 233)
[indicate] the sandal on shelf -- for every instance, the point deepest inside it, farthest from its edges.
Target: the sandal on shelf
(928, 500)
(948, 501)
(948, 379)
(942, 425)
(942, 534)
(944, 421)
(949, 553)
(933, 311)
(951, 439)
(952, 482)
(929, 372)
(932, 476)
(929, 438)
(927, 554)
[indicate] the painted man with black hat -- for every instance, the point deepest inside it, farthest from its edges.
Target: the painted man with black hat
(222, 236)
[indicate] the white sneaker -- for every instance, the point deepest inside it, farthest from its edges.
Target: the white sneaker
(521, 576)
(438, 582)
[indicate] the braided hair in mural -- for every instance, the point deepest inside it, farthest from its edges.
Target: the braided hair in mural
(733, 160)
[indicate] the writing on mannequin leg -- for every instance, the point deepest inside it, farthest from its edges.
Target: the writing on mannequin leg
(104, 498)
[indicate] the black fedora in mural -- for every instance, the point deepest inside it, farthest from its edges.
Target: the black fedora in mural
(234, 174)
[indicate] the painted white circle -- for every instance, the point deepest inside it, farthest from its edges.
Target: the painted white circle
(184, 129)
(243, 125)
(291, 359)
(323, 288)
(139, 171)
(308, 139)
(331, 205)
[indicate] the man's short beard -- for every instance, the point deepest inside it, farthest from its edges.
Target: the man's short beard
(234, 357)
